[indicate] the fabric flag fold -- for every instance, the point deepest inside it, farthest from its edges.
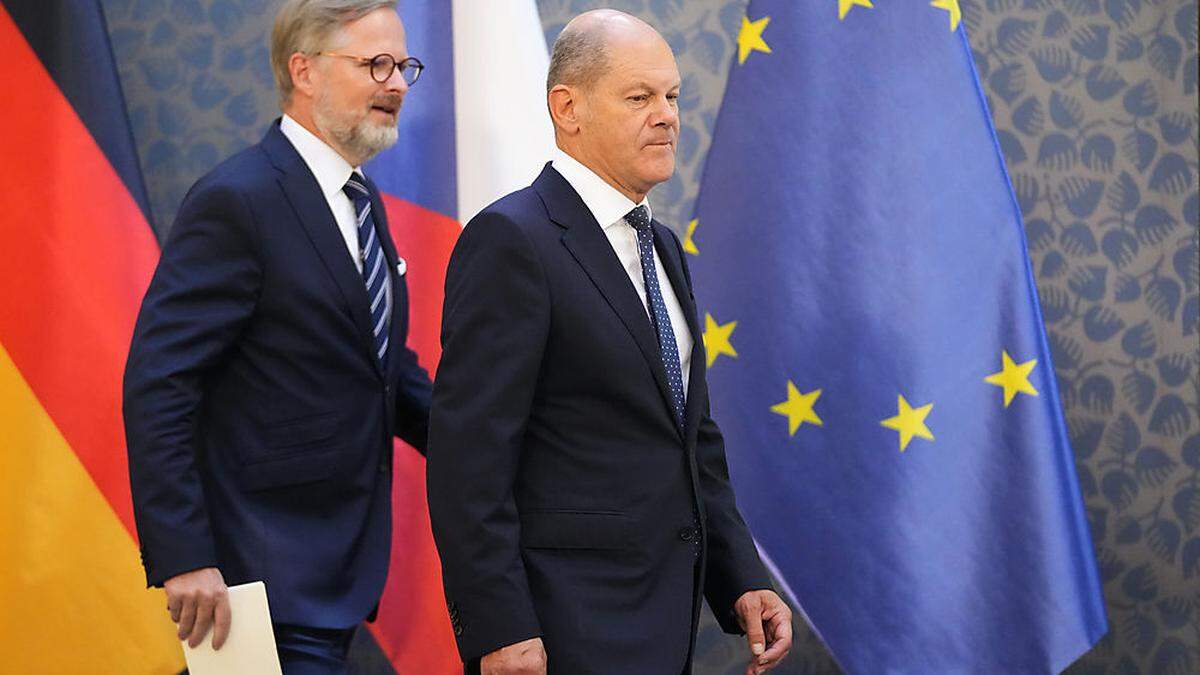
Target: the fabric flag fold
(877, 356)
(76, 255)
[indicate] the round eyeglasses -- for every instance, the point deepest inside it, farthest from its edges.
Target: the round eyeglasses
(383, 65)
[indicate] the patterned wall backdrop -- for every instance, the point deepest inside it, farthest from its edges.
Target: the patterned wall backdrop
(198, 85)
(1095, 105)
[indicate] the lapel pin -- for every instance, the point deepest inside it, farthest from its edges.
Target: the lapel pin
(401, 267)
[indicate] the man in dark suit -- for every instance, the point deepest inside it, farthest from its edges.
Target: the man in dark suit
(578, 487)
(268, 372)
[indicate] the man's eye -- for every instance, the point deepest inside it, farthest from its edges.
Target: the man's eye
(638, 98)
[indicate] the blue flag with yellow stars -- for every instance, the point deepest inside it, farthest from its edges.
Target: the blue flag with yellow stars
(876, 353)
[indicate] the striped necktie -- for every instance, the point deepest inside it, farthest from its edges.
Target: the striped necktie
(374, 268)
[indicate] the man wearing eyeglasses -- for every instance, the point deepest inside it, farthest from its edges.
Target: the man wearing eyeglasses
(268, 372)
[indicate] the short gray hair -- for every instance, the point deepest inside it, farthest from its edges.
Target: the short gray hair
(578, 58)
(306, 26)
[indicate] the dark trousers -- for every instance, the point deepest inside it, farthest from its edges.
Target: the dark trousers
(312, 651)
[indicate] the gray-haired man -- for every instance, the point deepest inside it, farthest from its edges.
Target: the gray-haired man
(268, 372)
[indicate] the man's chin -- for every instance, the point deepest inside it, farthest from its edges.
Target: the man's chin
(660, 172)
(386, 132)
(376, 126)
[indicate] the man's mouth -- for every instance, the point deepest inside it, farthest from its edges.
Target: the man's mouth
(388, 108)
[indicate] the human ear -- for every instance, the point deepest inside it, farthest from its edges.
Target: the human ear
(564, 109)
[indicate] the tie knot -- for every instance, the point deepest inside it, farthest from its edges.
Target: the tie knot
(639, 218)
(355, 189)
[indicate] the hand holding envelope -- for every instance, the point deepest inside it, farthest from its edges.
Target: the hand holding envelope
(249, 648)
(197, 601)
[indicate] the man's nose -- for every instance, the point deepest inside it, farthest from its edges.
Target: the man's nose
(395, 82)
(665, 113)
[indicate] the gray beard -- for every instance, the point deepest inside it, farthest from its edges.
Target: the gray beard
(353, 133)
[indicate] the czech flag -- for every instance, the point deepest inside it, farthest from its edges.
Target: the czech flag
(474, 128)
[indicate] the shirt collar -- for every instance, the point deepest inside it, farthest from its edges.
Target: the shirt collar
(330, 169)
(607, 204)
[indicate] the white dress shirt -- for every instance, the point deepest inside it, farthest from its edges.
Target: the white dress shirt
(332, 171)
(609, 207)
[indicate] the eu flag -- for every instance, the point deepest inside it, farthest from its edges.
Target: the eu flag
(876, 352)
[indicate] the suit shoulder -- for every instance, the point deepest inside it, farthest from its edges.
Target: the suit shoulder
(246, 172)
(515, 227)
(223, 197)
(522, 210)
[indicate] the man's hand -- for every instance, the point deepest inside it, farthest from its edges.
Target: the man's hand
(198, 600)
(523, 658)
(769, 646)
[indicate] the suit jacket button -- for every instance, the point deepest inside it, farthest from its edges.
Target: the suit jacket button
(686, 534)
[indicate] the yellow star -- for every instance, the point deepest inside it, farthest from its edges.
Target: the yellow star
(798, 408)
(750, 38)
(952, 7)
(1013, 377)
(689, 244)
(716, 338)
(845, 5)
(910, 422)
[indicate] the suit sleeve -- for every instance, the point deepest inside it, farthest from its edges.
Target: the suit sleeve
(414, 392)
(494, 328)
(733, 563)
(202, 294)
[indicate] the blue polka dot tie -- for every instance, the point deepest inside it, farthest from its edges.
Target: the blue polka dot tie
(374, 269)
(639, 219)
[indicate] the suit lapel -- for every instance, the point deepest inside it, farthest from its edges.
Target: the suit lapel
(586, 242)
(311, 209)
(673, 263)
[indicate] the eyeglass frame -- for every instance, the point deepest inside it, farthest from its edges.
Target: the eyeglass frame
(370, 62)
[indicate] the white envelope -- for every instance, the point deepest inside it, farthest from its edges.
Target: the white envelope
(250, 649)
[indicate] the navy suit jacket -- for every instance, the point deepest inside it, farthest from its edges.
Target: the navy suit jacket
(565, 500)
(258, 419)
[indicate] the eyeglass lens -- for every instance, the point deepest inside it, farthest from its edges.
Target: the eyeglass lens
(383, 65)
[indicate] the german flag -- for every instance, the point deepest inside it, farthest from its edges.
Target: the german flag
(76, 256)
